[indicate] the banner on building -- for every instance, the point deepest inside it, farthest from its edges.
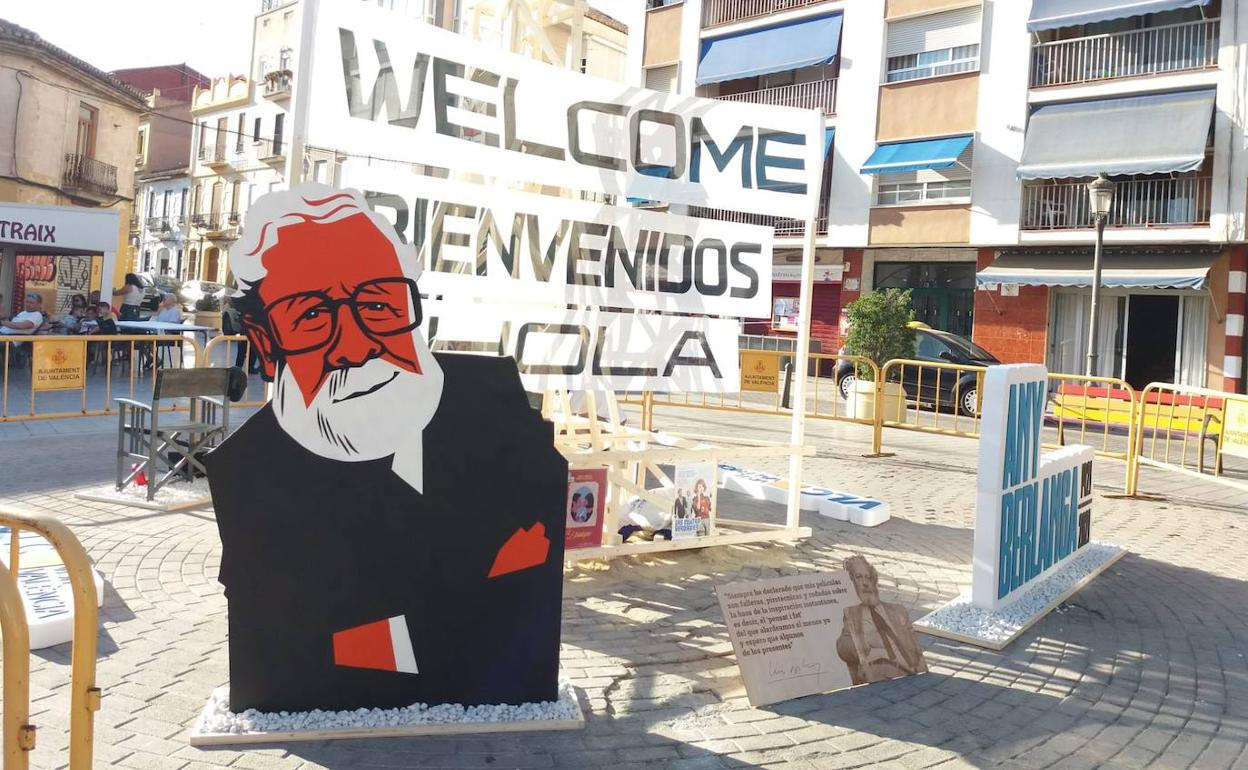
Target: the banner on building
(382, 84)
(59, 364)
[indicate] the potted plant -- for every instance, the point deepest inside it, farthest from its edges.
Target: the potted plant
(208, 311)
(879, 330)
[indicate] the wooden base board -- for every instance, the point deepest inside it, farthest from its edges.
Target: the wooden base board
(661, 546)
(198, 738)
(152, 505)
(943, 633)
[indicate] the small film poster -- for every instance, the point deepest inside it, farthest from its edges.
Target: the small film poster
(694, 505)
(586, 501)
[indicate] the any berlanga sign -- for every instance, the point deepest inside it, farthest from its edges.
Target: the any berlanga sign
(1032, 511)
(382, 84)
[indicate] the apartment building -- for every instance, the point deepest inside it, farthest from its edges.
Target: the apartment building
(67, 147)
(961, 136)
(159, 225)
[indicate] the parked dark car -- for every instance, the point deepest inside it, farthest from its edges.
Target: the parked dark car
(952, 386)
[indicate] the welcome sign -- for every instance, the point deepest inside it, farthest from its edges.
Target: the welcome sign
(386, 85)
(1033, 511)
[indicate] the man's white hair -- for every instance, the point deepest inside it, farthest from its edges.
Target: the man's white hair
(311, 203)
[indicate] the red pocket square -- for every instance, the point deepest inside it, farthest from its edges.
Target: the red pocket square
(384, 645)
(526, 548)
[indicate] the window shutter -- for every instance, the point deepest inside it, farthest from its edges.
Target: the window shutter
(662, 78)
(934, 32)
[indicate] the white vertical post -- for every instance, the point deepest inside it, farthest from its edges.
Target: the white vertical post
(805, 296)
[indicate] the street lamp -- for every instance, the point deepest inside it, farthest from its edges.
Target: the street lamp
(1100, 200)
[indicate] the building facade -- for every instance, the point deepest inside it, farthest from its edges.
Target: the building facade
(67, 138)
(159, 227)
(960, 143)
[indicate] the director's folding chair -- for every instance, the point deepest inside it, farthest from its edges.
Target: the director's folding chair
(168, 450)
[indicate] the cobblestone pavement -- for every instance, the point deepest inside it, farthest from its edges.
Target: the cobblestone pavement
(1143, 668)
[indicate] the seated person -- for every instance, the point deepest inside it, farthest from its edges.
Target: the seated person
(169, 312)
(90, 322)
(28, 321)
(69, 323)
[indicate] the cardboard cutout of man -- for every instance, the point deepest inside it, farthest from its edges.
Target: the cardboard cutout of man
(392, 521)
(877, 641)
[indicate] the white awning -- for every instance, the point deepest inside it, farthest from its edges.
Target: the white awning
(1052, 14)
(1118, 270)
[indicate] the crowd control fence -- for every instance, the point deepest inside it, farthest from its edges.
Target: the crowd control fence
(19, 734)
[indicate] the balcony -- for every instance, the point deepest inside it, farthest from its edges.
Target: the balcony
(715, 12)
(1192, 45)
(214, 157)
(1138, 203)
(277, 85)
(784, 227)
(134, 224)
(271, 151)
(216, 226)
(157, 225)
(819, 95)
(89, 176)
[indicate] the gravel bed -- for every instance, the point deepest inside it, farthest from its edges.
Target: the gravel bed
(218, 719)
(961, 617)
(173, 493)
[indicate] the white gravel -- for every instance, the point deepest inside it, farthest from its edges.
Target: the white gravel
(961, 617)
(173, 493)
(218, 719)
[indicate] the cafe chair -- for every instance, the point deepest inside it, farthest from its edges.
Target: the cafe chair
(163, 451)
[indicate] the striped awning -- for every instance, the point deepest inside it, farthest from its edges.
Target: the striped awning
(1118, 270)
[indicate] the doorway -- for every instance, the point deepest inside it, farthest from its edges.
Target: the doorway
(212, 259)
(942, 294)
(1151, 354)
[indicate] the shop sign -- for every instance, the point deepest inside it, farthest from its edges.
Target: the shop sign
(385, 85)
(760, 371)
(63, 227)
(793, 273)
(59, 364)
(1033, 511)
(1235, 428)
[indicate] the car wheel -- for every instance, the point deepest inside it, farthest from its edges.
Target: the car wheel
(846, 384)
(969, 405)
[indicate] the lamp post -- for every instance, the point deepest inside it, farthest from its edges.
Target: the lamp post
(1100, 200)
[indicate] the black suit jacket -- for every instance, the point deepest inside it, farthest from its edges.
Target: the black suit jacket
(313, 546)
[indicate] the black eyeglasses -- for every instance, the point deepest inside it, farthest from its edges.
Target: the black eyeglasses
(305, 321)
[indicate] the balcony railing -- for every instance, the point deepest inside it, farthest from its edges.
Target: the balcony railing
(819, 95)
(134, 223)
(267, 149)
(1182, 202)
(89, 174)
(784, 227)
(1172, 48)
(277, 84)
(723, 11)
(157, 224)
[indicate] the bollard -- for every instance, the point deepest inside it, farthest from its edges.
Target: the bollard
(788, 384)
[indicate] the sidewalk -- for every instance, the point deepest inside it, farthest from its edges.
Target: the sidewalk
(1145, 667)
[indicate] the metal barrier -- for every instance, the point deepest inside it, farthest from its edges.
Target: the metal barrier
(76, 358)
(19, 735)
(229, 342)
(949, 393)
(1099, 412)
(1174, 425)
(824, 402)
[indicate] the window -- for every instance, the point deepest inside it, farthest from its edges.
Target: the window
(140, 152)
(318, 170)
(255, 133)
(223, 128)
(197, 199)
(164, 203)
(928, 64)
(915, 188)
(88, 122)
(662, 78)
(929, 347)
(240, 133)
(934, 44)
(278, 120)
(151, 203)
(218, 192)
(283, 59)
(182, 202)
(234, 192)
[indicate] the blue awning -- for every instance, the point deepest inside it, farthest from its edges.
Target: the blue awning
(1118, 270)
(755, 52)
(1052, 14)
(917, 155)
(1150, 134)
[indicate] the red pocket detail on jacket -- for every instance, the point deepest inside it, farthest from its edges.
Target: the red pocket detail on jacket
(526, 548)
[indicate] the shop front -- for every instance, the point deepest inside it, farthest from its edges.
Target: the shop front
(1162, 316)
(56, 252)
(785, 292)
(941, 282)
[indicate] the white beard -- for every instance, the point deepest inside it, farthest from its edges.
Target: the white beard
(388, 421)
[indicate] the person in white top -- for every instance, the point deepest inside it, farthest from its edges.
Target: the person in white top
(29, 320)
(131, 293)
(169, 311)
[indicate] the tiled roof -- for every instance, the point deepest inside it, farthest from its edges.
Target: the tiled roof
(23, 36)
